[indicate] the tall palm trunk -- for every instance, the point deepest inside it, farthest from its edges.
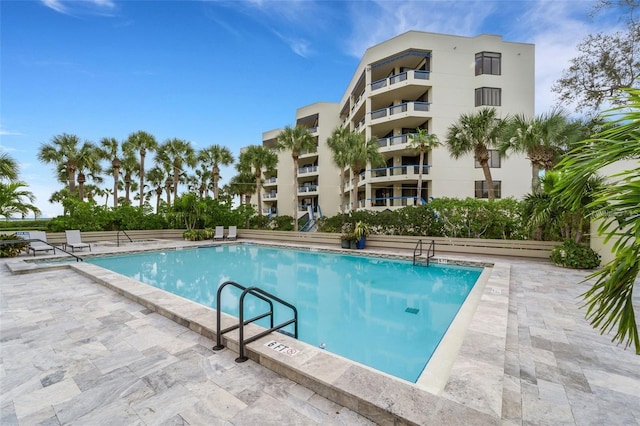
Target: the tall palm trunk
(216, 177)
(81, 180)
(127, 186)
(116, 177)
(354, 190)
(535, 179)
(295, 156)
(421, 164)
(143, 154)
(342, 185)
(482, 157)
(259, 188)
(158, 196)
(71, 177)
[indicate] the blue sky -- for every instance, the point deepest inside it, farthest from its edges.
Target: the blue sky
(222, 72)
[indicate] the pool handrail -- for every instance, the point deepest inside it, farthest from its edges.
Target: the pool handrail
(242, 342)
(417, 251)
(220, 332)
(118, 237)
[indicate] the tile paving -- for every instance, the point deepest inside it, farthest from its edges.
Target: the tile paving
(74, 352)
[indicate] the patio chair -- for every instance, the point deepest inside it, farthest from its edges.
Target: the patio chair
(41, 245)
(74, 240)
(219, 235)
(233, 233)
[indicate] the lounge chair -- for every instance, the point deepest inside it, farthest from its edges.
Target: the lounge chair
(74, 240)
(219, 235)
(41, 245)
(233, 233)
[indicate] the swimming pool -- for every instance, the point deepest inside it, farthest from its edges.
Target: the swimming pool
(387, 314)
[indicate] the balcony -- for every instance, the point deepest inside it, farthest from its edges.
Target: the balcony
(270, 181)
(270, 195)
(409, 115)
(395, 141)
(307, 189)
(309, 153)
(408, 171)
(382, 203)
(307, 169)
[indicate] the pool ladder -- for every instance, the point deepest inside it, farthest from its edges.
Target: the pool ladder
(417, 252)
(260, 294)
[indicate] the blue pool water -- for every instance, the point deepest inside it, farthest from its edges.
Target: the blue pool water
(387, 314)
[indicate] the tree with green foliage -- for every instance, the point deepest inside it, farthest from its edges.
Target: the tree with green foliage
(243, 185)
(476, 133)
(360, 153)
(88, 160)
(338, 143)
(423, 142)
(13, 200)
(543, 138)
(63, 152)
(8, 167)
(110, 151)
(142, 142)
(176, 153)
(606, 64)
(213, 157)
(296, 140)
(156, 177)
(252, 160)
(617, 206)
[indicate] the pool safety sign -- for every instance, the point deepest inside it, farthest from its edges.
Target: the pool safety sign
(282, 348)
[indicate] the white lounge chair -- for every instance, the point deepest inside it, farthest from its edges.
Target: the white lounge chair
(41, 245)
(233, 233)
(74, 240)
(219, 235)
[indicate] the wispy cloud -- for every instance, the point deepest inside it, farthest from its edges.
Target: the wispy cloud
(79, 7)
(300, 46)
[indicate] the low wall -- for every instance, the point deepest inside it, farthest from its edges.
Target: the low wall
(535, 249)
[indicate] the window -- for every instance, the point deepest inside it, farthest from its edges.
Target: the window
(488, 63)
(491, 96)
(482, 189)
(494, 160)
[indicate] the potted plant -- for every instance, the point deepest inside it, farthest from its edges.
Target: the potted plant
(345, 240)
(360, 231)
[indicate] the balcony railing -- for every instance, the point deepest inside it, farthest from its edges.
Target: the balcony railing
(397, 78)
(400, 108)
(394, 201)
(308, 188)
(308, 169)
(413, 169)
(270, 180)
(309, 152)
(394, 140)
(268, 195)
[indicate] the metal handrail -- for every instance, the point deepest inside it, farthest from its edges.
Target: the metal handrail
(418, 245)
(242, 341)
(431, 251)
(220, 332)
(3, 242)
(118, 237)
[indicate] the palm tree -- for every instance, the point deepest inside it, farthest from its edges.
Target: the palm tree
(296, 140)
(110, 150)
(88, 160)
(361, 152)
(422, 142)
(177, 153)
(12, 200)
(476, 133)
(8, 167)
(129, 164)
(254, 159)
(214, 156)
(544, 139)
(243, 184)
(63, 152)
(610, 299)
(338, 144)
(157, 177)
(142, 142)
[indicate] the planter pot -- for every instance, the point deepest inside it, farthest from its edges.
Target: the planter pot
(345, 244)
(352, 244)
(360, 243)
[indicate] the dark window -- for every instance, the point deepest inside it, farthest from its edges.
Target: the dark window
(491, 96)
(482, 192)
(494, 160)
(488, 63)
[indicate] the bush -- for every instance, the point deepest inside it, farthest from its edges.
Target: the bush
(13, 249)
(573, 255)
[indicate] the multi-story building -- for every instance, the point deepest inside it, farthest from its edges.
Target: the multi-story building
(415, 80)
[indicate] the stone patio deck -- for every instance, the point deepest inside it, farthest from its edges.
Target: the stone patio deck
(74, 352)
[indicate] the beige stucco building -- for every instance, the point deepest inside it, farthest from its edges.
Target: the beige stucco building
(415, 80)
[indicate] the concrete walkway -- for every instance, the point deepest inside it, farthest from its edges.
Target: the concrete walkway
(74, 352)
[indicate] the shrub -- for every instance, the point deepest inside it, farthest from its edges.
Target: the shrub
(573, 255)
(12, 249)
